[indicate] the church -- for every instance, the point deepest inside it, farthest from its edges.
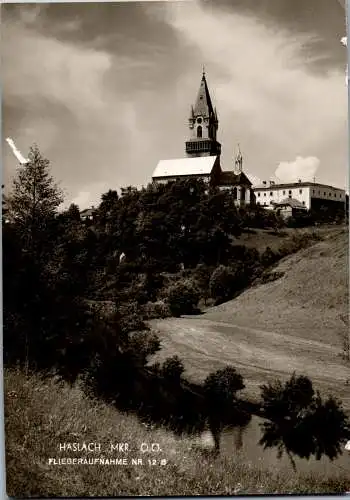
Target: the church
(202, 154)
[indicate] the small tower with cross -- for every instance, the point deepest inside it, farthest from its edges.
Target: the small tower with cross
(238, 162)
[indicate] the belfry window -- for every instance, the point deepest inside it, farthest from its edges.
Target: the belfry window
(199, 131)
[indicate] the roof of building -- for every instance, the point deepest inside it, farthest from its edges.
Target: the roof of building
(201, 165)
(287, 185)
(203, 104)
(291, 202)
(230, 178)
(88, 212)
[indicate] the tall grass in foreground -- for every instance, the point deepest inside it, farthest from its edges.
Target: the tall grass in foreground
(41, 413)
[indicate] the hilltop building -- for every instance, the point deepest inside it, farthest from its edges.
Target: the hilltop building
(299, 195)
(203, 153)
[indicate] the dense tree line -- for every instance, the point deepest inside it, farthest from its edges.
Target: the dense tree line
(58, 273)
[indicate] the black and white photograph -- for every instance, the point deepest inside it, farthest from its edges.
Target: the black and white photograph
(175, 246)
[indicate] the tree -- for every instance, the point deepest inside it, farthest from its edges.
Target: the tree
(182, 298)
(34, 200)
(172, 369)
(300, 423)
(225, 281)
(220, 391)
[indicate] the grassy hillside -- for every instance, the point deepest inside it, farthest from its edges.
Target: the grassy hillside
(309, 301)
(41, 414)
(291, 324)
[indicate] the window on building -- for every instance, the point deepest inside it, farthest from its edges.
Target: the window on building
(303, 202)
(300, 191)
(258, 194)
(264, 203)
(329, 194)
(258, 203)
(284, 192)
(271, 193)
(324, 193)
(199, 120)
(335, 195)
(289, 192)
(199, 131)
(313, 191)
(264, 194)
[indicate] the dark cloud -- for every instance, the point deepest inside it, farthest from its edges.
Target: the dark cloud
(325, 19)
(105, 88)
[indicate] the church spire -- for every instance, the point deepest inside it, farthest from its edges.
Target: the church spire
(203, 124)
(203, 105)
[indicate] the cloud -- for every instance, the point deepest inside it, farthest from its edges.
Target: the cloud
(266, 95)
(38, 67)
(107, 109)
(89, 196)
(301, 168)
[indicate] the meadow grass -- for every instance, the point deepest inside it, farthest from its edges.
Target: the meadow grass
(42, 412)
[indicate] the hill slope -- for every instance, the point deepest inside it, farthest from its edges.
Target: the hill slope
(308, 301)
(270, 330)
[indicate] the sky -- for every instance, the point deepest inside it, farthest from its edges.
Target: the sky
(105, 89)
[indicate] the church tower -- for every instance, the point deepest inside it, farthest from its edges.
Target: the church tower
(203, 125)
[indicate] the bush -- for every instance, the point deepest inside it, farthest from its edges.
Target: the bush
(266, 277)
(225, 281)
(172, 369)
(221, 386)
(268, 257)
(183, 298)
(201, 276)
(159, 309)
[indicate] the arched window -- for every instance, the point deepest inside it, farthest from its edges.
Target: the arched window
(235, 193)
(243, 193)
(199, 131)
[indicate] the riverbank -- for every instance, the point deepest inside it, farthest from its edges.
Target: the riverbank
(41, 414)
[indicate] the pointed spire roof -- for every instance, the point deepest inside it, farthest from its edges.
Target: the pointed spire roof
(203, 104)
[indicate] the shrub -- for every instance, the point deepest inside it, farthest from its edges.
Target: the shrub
(182, 297)
(172, 369)
(268, 257)
(225, 281)
(221, 386)
(266, 277)
(159, 309)
(201, 276)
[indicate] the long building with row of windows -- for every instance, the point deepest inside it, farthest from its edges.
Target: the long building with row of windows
(309, 194)
(203, 160)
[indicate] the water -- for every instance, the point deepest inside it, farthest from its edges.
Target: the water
(252, 452)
